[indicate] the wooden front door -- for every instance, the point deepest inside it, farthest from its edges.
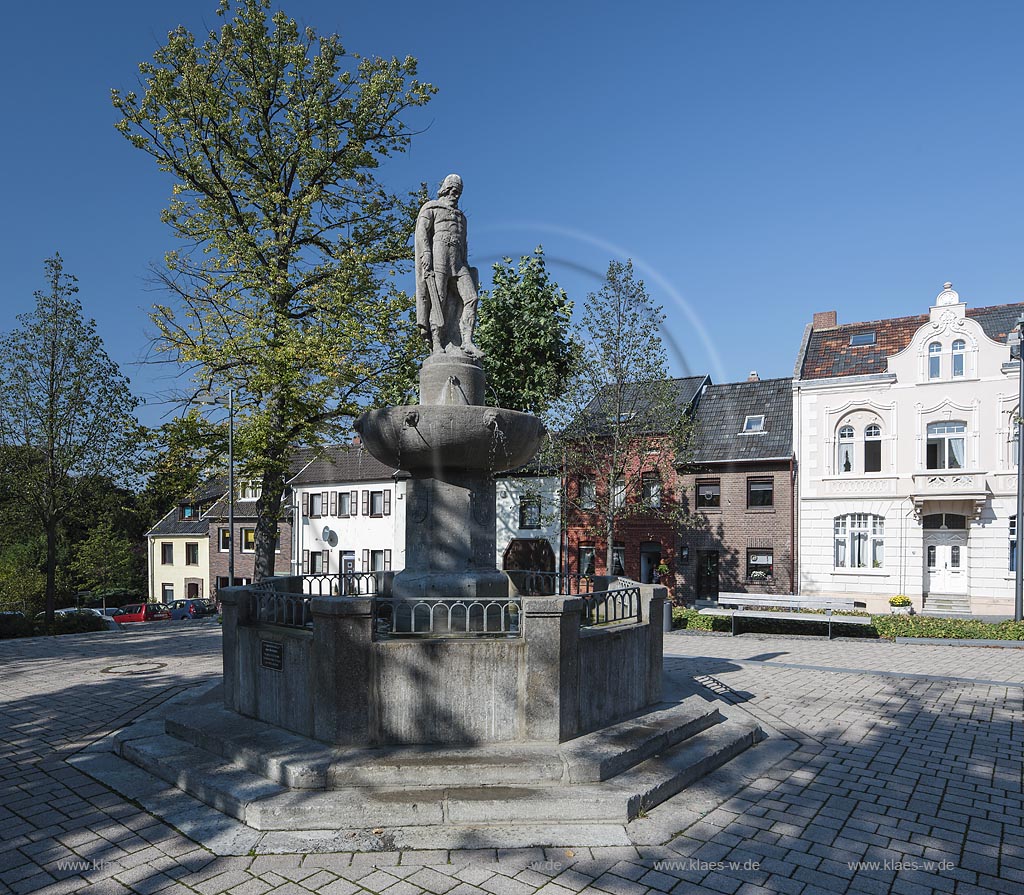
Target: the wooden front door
(707, 574)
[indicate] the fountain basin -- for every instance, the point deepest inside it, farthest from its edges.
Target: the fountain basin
(440, 436)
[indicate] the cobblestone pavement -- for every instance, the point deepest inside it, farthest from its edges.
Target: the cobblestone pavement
(906, 779)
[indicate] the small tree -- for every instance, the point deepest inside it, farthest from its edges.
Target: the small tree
(525, 332)
(67, 412)
(622, 423)
(105, 560)
(290, 242)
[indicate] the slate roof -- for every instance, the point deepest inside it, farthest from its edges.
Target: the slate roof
(684, 390)
(718, 422)
(337, 463)
(172, 525)
(829, 352)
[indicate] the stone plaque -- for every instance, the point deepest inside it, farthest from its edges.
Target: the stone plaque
(272, 654)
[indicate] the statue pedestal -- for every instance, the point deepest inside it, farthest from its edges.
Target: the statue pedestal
(451, 379)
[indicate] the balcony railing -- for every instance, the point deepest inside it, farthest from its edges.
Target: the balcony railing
(343, 584)
(531, 583)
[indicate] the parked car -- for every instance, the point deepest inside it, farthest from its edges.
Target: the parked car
(191, 609)
(143, 612)
(112, 611)
(109, 622)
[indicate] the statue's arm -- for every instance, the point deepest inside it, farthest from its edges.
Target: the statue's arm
(424, 234)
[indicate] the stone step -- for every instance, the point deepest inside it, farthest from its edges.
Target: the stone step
(297, 762)
(265, 805)
(210, 778)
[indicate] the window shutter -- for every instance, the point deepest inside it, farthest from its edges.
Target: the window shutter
(387, 560)
(334, 503)
(305, 503)
(366, 503)
(354, 503)
(305, 562)
(366, 558)
(324, 503)
(326, 568)
(387, 502)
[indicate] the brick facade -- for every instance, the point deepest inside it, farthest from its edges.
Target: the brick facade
(734, 529)
(244, 560)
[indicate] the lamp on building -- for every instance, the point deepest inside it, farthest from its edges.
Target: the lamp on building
(1018, 566)
(207, 397)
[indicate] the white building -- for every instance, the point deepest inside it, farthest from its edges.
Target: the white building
(903, 430)
(349, 512)
(529, 522)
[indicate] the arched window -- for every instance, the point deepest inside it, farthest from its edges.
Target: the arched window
(844, 451)
(946, 445)
(959, 347)
(934, 360)
(873, 448)
(859, 541)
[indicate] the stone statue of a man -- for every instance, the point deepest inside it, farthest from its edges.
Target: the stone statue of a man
(446, 286)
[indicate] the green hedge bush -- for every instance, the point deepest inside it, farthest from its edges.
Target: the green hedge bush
(19, 626)
(888, 627)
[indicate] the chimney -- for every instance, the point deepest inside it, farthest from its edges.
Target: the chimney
(356, 441)
(753, 377)
(824, 320)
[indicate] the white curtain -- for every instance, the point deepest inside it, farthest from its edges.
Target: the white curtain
(956, 453)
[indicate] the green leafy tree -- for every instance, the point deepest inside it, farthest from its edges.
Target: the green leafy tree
(67, 413)
(621, 425)
(290, 243)
(105, 560)
(525, 331)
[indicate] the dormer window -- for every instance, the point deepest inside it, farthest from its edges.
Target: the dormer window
(188, 512)
(934, 360)
(753, 424)
(959, 348)
(249, 491)
(861, 339)
(844, 451)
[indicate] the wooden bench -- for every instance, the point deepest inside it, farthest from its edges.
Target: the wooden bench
(831, 605)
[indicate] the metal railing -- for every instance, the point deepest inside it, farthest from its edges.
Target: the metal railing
(343, 584)
(275, 608)
(537, 584)
(444, 617)
(611, 607)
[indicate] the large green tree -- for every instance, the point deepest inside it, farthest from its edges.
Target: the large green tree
(284, 282)
(525, 331)
(67, 412)
(621, 424)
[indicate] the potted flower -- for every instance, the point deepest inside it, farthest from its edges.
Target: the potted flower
(901, 605)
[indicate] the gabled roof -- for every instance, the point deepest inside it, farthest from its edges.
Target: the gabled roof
(637, 402)
(829, 352)
(722, 410)
(172, 525)
(342, 463)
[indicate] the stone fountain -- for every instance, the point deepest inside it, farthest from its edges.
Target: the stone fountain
(554, 731)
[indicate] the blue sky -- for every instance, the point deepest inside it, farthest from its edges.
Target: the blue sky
(758, 161)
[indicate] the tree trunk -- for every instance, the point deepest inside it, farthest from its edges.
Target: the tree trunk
(51, 569)
(268, 515)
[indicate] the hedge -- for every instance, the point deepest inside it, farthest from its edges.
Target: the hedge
(19, 626)
(887, 627)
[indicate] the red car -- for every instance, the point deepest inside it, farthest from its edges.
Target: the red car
(143, 612)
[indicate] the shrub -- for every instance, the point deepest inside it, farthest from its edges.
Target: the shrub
(15, 626)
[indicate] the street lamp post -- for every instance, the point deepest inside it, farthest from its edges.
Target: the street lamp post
(1018, 566)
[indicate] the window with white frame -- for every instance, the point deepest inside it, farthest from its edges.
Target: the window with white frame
(618, 560)
(651, 488)
(754, 423)
(934, 360)
(859, 541)
(344, 503)
(224, 539)
(946, 448)
(844, 450)
(873, 448)
(959, 353)
(618, 492)
(586, 559)
(588, 493)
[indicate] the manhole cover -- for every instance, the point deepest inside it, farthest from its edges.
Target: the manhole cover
(134, 668)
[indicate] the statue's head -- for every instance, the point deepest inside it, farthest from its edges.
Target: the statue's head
(451, 184)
